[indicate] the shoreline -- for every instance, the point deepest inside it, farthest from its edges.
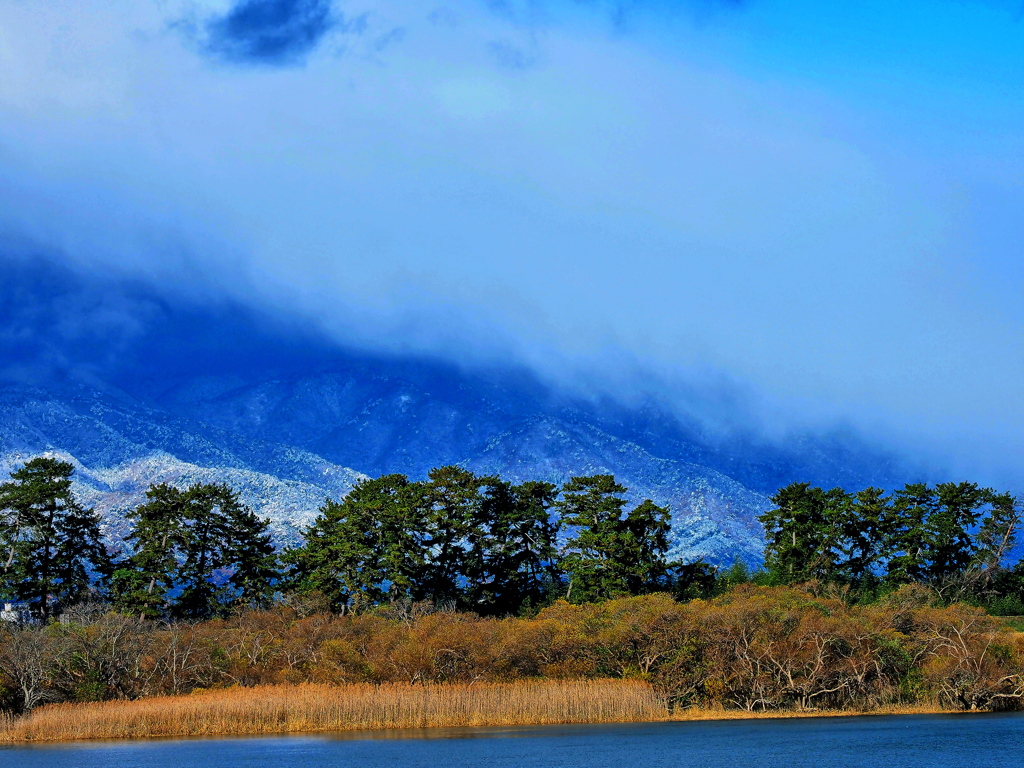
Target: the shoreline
(710, 715)
(287, 709)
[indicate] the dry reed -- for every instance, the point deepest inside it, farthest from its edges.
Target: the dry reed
(311, 708)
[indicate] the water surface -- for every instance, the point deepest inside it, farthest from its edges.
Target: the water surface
(935, 741)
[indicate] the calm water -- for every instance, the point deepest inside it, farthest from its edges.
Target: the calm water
(932, 741)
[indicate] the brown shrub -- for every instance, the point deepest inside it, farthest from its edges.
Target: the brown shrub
(752, 649)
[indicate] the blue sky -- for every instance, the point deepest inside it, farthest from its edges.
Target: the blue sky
(819, 203)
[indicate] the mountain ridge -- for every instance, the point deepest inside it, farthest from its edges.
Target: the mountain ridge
(140, 383)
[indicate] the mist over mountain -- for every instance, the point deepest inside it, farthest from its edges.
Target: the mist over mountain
(710, 246)
(138, 385)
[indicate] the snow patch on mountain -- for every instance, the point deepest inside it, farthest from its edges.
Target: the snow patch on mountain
(290, 505)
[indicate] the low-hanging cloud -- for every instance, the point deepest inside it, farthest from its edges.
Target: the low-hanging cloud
(566, 194)
(271, 32)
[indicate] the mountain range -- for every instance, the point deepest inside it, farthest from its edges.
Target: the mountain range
(137, 386)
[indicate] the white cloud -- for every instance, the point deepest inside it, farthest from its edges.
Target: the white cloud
(618, 191)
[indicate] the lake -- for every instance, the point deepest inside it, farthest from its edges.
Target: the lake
(935, 741)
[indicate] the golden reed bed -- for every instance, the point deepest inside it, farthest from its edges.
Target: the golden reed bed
(310, 708)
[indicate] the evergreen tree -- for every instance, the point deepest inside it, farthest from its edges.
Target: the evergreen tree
(611, 552)
(996, 537)
(804, 533)
(204, 536)
(255, 564)
(938, 534)
(642, 546)
(511, 562)
(907, 532)
(141, 584)
(864, 537)
(949, 539)
(365, 549)
(51, 544)
(201, 541)
(737, 573)
(953, 536)
(220, 535)
(452, 524)
(699, 580)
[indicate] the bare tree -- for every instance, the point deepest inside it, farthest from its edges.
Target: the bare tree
(108, 654)
(31, 657)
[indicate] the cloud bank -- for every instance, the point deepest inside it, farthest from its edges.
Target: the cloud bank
(821, 202)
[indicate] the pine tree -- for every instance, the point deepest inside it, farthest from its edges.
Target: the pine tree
(996, 536)
(219, 535)
(865, 537)
(51, 544)
(141, 584)
(949, 539)
(252, 554)
(366, 548)
(512, 560)
(804, 533)
(611, 552)
(642, 546)
(907, 530)
(202, 542)
(452, 519)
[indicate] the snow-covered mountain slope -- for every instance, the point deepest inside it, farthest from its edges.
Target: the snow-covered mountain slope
(138, 386)
(379, 416)
(290, 505)
(119, 450)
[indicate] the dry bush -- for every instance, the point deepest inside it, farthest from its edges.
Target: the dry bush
(106, 655)
(970, 659)
(760, 648)
(31, 659)
(754, 649)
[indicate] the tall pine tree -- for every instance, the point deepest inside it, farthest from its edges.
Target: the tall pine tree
(611, 552)
(201, 542)
(141, 584)
(804, 533)
(366, 548)
(51, 544)
(512, 559)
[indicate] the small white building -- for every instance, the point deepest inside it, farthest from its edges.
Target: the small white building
(18, 613)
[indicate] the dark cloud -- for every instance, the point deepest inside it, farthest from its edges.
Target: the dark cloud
(272, 32)
(77, 319)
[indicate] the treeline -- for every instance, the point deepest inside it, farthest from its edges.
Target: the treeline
(202, 544)
(460, 577)
(954, 537)
(483, 544)
(471, 542)
(753, 648)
